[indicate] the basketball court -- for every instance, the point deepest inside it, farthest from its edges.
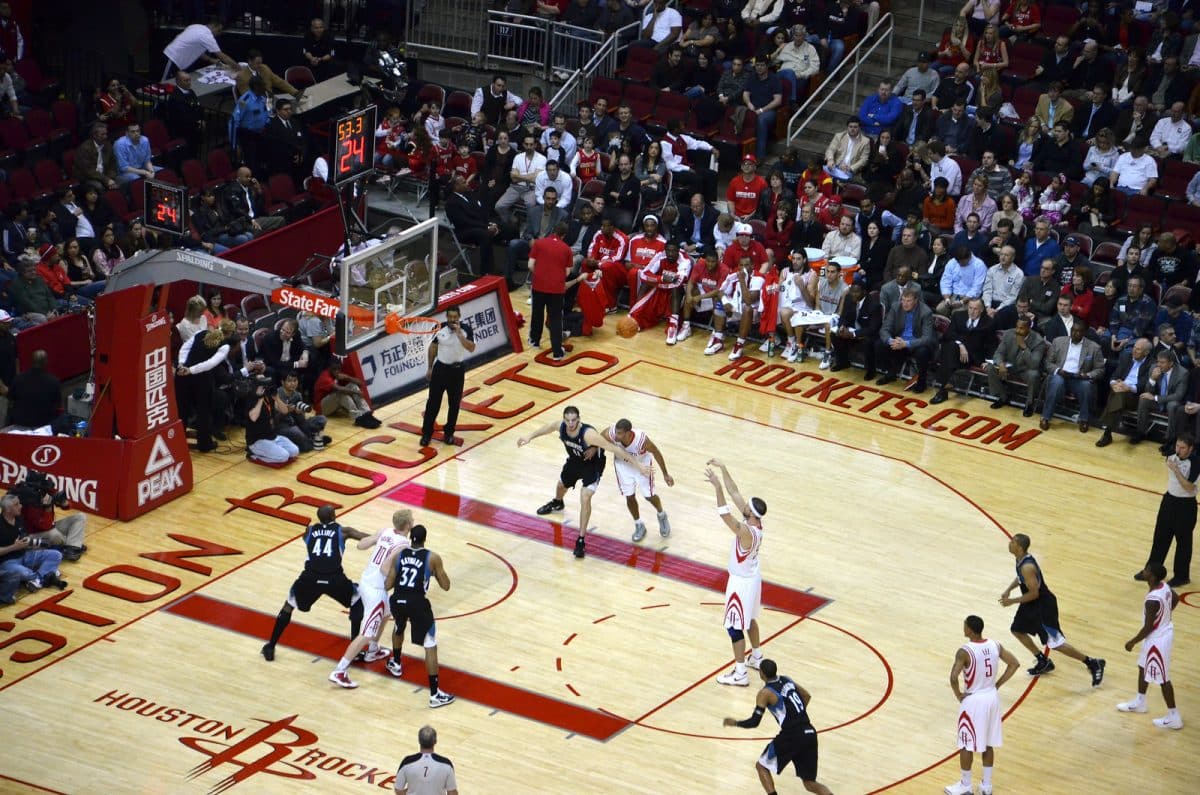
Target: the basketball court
(887, 524)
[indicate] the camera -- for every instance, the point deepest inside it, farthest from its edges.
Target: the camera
(265, 383)
(34, 543)
(35, 487)
(302, 407)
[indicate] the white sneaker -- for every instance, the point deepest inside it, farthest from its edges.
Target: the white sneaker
(664, 526)
(959, 788)
(672, 335)
(1131, 706)
(685, 331)
(754, 661)
(714, 346)
(789, 353)
(766, 346)
(394, 668)
(342, 679)
(639, 531)
(826, 360)
(440, 699)
(732, 678)
(985, 790)
(736, 353)
(1167, 722)
(379, 654)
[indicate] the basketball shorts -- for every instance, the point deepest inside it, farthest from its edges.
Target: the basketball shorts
(979, 721)
(417, 614)
(1155, 659)
(1040, 618)
(308, 588)
(586, 473)
(630, 481)
(798, 750)
(375, 608)
(743, 601)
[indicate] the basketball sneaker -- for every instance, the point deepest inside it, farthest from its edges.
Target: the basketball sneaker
(672, 332)
(732, 678)
(767, 345)
(342, 679)
(826, 360)
(440, 699)
(1169, 722)
(1135, 705)
(639, 531)
(1096, 666)
(550, 507)
(268, 652)
(715, 344)
(789, 352)
(959, 788)
(754, 660)
(664, 526)
(1044, 665)
(377, 655)
(394, 668)
(579, 547)
(736, 353)
(685, 331)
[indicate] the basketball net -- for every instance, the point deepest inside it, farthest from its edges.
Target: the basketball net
(395, 323)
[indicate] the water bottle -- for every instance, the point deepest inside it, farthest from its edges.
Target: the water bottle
(81, 428)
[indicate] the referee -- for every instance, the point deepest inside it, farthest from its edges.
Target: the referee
(446, 373)
(1177, 512)
(426, 773)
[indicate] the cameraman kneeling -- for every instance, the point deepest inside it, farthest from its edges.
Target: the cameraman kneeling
(38, 500)
(304, 432)
(22, 560)
(262, 441)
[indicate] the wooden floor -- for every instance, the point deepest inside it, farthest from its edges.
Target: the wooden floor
(887, 525)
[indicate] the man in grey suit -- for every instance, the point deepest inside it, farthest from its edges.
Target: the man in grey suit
(907, 332)
(1075, 365)
(1165, 392)
(537, 225)
(1018, 358)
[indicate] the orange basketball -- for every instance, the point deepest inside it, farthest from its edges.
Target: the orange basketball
(627, 327)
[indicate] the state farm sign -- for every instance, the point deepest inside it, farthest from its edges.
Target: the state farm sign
(302, 301)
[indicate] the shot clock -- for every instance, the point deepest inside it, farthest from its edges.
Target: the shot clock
(166, 207)
(354, 145)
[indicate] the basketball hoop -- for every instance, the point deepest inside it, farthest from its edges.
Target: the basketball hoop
(396, 323)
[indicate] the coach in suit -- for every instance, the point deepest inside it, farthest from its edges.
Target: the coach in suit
(860, 321)
(694, 229)
(244, 357)
(1166, 391)
(907, 332)
(1017, 358)
(1074, 364)
(287, 143)
(470, 222)
(185, 117)
(965, 344)
(1129, 381)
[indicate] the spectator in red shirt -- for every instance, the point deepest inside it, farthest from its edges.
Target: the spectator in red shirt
(463, 165)
(550, 258)
(335, 391)
(744, 245)
(744, 190)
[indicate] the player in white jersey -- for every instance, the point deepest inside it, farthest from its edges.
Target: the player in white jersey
(1157, 637)
(797, 298)
(631, 480)
(977, 662)
(372, 591)
(743, 590)
(741, 300)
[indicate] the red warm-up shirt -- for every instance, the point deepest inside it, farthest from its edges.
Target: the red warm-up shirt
(552, 259)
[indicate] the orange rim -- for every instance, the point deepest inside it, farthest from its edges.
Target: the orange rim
(419, 324)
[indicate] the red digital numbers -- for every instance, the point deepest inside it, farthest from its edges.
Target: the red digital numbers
(166, 212)
(353, 155)
(353, 151)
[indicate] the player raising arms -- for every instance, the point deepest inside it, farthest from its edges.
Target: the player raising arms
(796, 742)
(373, 593)
(632, 478)
(584, 465)
(743, 590)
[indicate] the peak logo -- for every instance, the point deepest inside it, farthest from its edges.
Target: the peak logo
(163, 474)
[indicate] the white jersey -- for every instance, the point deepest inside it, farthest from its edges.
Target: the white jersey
(983, 662)
(733, 289)
(636, 447)
(794, 295)
(389, 539)
(744, 562)
(1163, 627)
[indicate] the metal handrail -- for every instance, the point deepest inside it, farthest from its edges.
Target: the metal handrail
(606, 55)
(797, 126)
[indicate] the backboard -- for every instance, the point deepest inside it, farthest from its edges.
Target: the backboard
(392, 275)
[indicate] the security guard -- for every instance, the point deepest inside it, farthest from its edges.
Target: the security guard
(446, 374)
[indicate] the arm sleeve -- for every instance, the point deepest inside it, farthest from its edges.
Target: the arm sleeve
(756, 717)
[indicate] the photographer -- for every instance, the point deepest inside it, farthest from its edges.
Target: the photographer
(304, 432)
(263, 442)
(38, 500)
(23, 561)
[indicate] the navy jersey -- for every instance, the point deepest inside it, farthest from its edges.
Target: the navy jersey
(788, 708)
(412, 572)
(325, 544)
(1043, 589)
(575, 445)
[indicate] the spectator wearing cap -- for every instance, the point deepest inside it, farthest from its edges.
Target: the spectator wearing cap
(744, 245)
(763, 94)
(1135, 171)
(745, 189)
(1070, 260)
(880, 111)
(919, 77)
(847, 153)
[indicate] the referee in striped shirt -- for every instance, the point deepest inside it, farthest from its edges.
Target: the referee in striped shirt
(426, 773)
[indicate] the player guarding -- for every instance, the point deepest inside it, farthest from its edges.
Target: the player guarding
(743, 591)
(796, 743)
(373, 593)
(585, 464)
(977, 661)
(1157, 636)
(637, 476)
(409, 569)
(325, 543)
(1037, 614)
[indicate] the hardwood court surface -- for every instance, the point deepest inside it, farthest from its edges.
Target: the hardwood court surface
(886, 526)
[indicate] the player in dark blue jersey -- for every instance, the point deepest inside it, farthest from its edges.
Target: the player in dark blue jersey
(796, 743)
(585, 464)
(324, 543)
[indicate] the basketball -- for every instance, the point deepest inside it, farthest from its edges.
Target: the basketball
(627, 327)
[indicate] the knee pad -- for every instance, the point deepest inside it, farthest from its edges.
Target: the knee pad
(735, 634)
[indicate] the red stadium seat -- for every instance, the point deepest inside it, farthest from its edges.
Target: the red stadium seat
(606, 87)
(301, 77)
(639, 65)
(220, 168)
(641, 100)
(458, 103)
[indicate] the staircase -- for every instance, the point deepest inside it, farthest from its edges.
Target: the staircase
(906, 43)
